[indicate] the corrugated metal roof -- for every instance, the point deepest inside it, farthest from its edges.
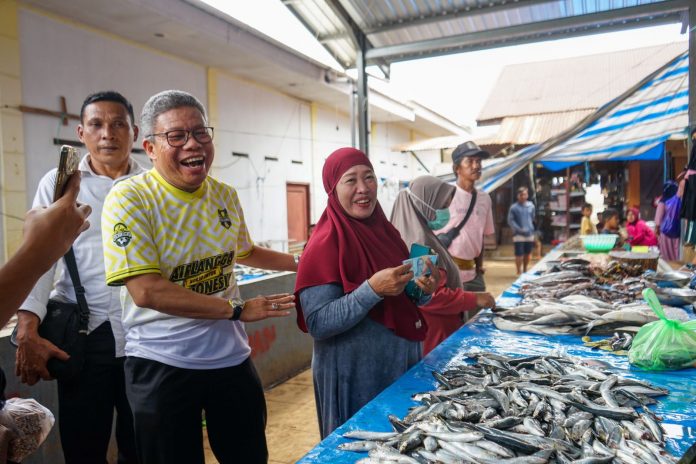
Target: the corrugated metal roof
(526, 130)
(406, 29)
(634, 125)
(516, 130)
(436, 143)
(571, 84)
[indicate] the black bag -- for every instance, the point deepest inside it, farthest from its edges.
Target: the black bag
(65, 325)
(447, 237)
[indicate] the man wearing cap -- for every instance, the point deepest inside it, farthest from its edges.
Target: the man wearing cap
(467, 247)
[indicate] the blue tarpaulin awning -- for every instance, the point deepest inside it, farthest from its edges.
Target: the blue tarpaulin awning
(634, 126)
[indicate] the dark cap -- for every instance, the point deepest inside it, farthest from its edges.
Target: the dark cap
(468, 149)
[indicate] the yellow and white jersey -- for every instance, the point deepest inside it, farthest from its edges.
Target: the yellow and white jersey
(191, 239)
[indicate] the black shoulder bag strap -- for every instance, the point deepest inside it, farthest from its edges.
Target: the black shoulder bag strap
(79, 290)
(454, 232)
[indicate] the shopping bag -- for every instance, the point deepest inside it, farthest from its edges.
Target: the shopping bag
(663, 344)
(30, 423)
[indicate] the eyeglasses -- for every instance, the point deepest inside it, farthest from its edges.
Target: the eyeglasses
(179, 137)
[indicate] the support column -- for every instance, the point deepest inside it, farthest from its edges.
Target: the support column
(363, 104)
(13, 191)
(352, 102)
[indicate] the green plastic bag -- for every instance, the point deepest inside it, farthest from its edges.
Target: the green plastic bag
(663, 344)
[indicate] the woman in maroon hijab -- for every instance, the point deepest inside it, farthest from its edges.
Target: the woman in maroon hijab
(350, 289)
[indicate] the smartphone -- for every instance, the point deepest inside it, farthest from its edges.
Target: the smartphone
(67, 165)
(419, 250)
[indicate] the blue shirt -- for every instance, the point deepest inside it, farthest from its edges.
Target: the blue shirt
(521, 218)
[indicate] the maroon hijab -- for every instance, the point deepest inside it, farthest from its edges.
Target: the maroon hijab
(347, 251)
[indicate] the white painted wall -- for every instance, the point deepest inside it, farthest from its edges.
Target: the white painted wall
(332, 131)
(59, 58)
(261, 123)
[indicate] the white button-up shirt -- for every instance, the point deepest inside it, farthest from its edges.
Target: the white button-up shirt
(104, 302)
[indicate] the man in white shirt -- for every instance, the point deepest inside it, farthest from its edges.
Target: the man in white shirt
(86, 403)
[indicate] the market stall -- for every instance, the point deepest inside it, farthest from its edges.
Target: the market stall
(677, 409)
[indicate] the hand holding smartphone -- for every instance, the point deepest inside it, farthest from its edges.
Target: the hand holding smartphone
(67, 166)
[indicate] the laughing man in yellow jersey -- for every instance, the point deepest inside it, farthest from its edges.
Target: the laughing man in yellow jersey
(172, 236)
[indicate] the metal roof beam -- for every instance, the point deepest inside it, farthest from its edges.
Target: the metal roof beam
(290, 4)
(446, 15)
(350, 30)
(663, 12)
(350, 26)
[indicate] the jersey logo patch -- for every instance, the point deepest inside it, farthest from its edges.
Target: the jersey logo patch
(122, 236)
(224, 218)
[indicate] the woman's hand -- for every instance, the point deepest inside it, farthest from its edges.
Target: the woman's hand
(428, 284)
(391, 281)
(484, 300)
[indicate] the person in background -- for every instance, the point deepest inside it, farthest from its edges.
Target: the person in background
(587, 227)
(612, 225)
(171, 238)
(419, 209)
(86, 403)
(600, 221)
(467, 247)
(350, 287)
(521, 221)
(612, 221)
(639, 234)
(667, 221)
(688, 195)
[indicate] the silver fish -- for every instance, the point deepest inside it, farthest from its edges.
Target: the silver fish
(367, 435)
(605, 390)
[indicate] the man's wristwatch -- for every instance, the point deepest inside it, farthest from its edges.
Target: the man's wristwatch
(237, 308)
(296, 258)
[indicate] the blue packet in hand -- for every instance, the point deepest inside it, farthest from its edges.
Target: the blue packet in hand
(419, 269)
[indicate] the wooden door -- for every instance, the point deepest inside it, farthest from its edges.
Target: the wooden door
(298, 213)
(633, 187)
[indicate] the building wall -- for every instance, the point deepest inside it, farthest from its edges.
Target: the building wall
(60, 58)
(286, 139)
(44, 57)
(12, 163)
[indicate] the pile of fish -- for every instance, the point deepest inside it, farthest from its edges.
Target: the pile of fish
(615, 271)
(578, 315)
(602, 267)
(538, 409)
(574, 297)
(617, 344)
(576, 278)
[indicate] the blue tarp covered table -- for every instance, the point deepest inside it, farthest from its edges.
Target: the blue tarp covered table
(678, 409)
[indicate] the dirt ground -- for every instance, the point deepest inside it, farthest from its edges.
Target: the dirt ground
(292, 428)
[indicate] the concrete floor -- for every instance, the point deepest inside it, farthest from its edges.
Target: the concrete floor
(292, 423)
